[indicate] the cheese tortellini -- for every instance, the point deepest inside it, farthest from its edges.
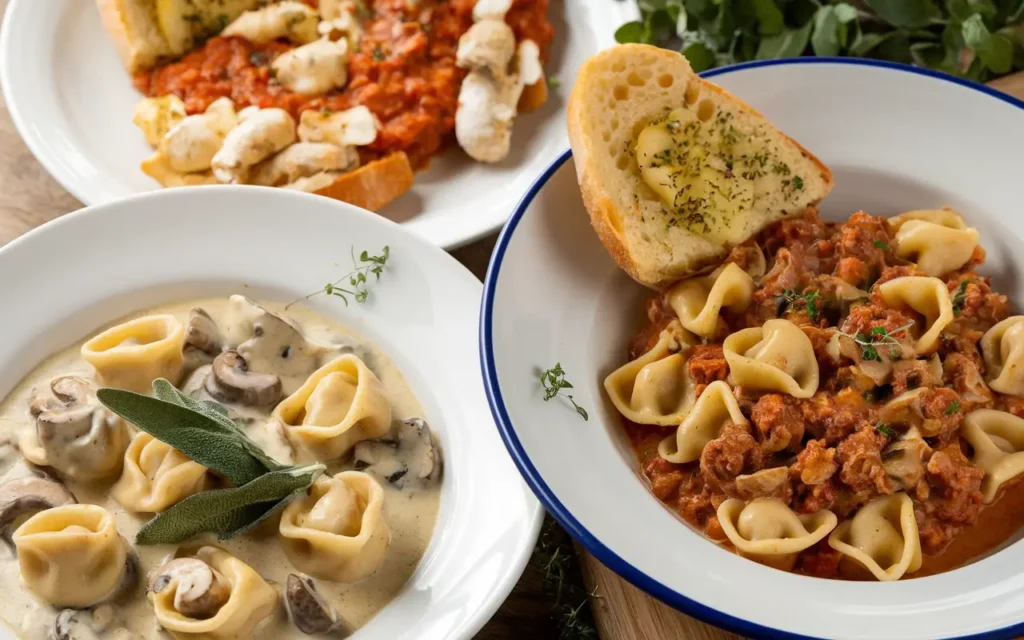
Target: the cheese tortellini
(72, 555)
(210, 595)
(882, 537)
(340, 404)
(654, 388)
(157, 476)
(135, 353)
(997, 438)
(937, 240)
(699, 301)
(927, 297)
(775, 357)
(767, 530)
(1003, 348)
(337, 531)
(715, 409)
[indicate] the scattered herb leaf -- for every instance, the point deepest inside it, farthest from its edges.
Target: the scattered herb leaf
(554, 82)
(879, 336)
(885, 430)
(357, 278)
(809, 299)
(554, 382)
(954, 407)
(881, 245)
(960, 298)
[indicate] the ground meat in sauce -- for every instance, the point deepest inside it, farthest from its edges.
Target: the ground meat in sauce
(831, 451)
(403, 71)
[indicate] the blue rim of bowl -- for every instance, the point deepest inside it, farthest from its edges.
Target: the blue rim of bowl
(551, 502)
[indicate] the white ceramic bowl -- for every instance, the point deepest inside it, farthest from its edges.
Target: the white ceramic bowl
(67, 278)
(72, 102)
(897, 138)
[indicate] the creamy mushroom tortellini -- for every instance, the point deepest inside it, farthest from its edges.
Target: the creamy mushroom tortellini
(85, 483)
(840, 400)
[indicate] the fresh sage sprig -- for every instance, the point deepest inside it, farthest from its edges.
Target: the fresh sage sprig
(197, 434)
(205, 433)
(228, 512)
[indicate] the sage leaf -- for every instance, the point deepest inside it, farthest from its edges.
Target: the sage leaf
(908, 14)
(788, 44)
(227, 512)
(167, 392)
(202, 438)
(256, 514)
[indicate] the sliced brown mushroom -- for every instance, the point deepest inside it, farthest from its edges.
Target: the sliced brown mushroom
(74, 433)
(764, 483)
(276, 345)
(200, 590)
(73, 624)
(231, 381)
(308, 610)
(203, 339)
(904, 461)
(25, 496)
(407, 454)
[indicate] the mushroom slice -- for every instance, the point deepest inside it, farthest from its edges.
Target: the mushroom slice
(74, 434)
(23, 496)
(272, 344)
(308, 611)
(200, 590)
(202, 334)
(231, 381)
(408, 453)
(70, 625)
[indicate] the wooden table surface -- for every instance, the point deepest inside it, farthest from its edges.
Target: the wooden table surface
(29, 197)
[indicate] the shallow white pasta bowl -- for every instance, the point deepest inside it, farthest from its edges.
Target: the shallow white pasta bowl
(66, 279)
(896, 138)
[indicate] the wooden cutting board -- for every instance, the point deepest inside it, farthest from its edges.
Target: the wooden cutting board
(623, 612)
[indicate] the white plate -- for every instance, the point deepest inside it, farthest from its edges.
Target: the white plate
(897, 138)
(92, 266)
(72, 102)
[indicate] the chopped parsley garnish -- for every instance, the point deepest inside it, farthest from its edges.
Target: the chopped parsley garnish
(324, 111)
(954, 407)
(885, 430)
(378, 54)
(808, 298)
(554, 381)
(554, 82)
(798, 183)
(879, 336)
(881, 245)
(960, 298)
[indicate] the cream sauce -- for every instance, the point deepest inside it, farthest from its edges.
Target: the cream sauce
(410, 511)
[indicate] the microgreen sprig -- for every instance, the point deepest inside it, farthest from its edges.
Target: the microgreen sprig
(885, 430)
(960, 298)
(357, 278)
(554, 382)
(879, 336)
(954, 407)
(809, 298)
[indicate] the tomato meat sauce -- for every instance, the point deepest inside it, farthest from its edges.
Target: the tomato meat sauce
(403, 71)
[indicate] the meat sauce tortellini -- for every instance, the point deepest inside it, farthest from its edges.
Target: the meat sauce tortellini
(768, 531)
(1003, 348)
(339, 405)
(715, 409)
(699, 301)
(937, 240)
(775, 357)
(882, 538)
(337, 531)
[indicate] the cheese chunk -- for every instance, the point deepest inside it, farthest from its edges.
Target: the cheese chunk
(350, 128)
(292, 20)
(313, 68)
(258, 137)
(191, 144)
(156, 116)
(302, 160)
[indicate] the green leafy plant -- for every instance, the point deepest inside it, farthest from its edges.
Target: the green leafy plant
(205, 433)
(556, 561)
(976, 39)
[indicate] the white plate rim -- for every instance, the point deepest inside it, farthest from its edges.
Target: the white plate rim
(551, 503)
(514, 560)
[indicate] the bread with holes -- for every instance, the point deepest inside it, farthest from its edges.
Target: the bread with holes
(673, 169)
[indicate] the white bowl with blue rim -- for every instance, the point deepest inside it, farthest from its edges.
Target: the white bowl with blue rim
(896, 138)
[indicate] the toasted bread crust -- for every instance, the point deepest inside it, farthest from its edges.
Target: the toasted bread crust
(593, 174)
(136, 51)
(374, 184)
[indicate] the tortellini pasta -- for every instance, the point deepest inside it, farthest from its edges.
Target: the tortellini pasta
(239, 597)
(775, 357)
(340, 404)
(937, 240)
(72, 555)
(337, 531)
(74, 434)
(699, 301)
(882, 537)
(767, 530)
(927, 297)
(1003, 348)
(715, 409)
(133, 354)
(157, 476)
(997, 438)
(654, 388)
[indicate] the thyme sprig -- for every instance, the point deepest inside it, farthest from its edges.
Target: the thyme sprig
(960, 298)
(561, 579)
(357, 278)
(885, 430)
(879, 336)
(954, 407)
(554, 382)
(809, 298)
